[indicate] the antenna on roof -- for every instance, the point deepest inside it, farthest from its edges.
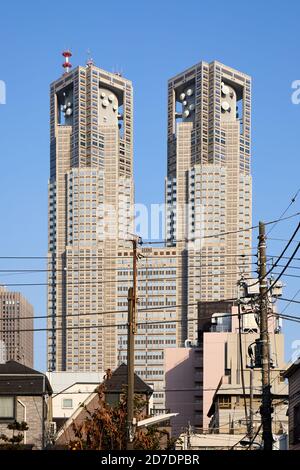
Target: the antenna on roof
(67, 64)
(90, 60)
(118, 72)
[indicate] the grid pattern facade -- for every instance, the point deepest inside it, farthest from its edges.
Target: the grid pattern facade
(14, 312)
(90, 199)
(208, 184)
(157, 315)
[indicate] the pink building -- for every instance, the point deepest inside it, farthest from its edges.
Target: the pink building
(208, 375)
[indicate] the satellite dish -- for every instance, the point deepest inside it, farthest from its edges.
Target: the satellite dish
(225, 106)
(104, 103)
(184, 102)
(111, 97)
(186, 113)
(190, 91)
(191, 107)
(182, 96)
(103, 94)
(225, 89)
(69, 111)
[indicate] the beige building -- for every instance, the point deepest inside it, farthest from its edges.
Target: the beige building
(208, 191)
(208, 185)
(158, 315)
(16, 315)
(90, 198)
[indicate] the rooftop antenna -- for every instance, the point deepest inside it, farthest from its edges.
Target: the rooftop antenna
(90, 60)
(118, 72)
(67, 64)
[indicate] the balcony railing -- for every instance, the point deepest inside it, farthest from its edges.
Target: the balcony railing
(159, 411)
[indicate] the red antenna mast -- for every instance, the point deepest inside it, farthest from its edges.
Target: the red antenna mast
(67, 64)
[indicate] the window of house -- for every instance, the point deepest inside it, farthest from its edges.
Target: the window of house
(225, 402)
(7, 408)
(67, 403)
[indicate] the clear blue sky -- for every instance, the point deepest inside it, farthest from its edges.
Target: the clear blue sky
(149, 41)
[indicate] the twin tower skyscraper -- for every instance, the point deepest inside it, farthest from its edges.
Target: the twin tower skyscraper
(91, 216)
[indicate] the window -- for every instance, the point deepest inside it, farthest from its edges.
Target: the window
(7, 408)
(67, 403)
(225, 402)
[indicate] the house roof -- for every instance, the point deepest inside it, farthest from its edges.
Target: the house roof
(292, 369)
(118, 381)
(114, 385)
(18, 379)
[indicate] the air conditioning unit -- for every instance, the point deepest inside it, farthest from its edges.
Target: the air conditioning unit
(52, 428)
(190, 344)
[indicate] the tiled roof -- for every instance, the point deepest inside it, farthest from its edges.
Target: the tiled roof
(17, 379)
(118, 382)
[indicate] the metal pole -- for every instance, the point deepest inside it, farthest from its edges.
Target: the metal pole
(266, 406)
(251, 428)
(132, 300)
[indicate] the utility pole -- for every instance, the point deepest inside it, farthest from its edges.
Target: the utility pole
(131, 328)
(251, 424)
(266, 406)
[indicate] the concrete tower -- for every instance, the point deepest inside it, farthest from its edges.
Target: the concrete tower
(208, 184)
(90, 198)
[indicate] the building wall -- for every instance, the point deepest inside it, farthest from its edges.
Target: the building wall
(213, 369)
(90, 202)
(74, 386)
(30, 410)
(14, 313)
(208, 185)
(294, 400)
(157, 315)
(180, 370)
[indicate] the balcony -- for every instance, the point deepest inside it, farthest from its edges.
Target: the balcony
(159, 411)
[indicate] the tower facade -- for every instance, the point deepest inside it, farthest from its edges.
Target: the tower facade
(90, 199)
(16, 315)
(208, 184)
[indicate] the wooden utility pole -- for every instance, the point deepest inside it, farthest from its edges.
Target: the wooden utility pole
(132, 303)
(266, 406)
(251, 424)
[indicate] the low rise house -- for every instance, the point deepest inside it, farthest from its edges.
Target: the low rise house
(25, 395)
(115, 386)
(293, 376)
(70, 390)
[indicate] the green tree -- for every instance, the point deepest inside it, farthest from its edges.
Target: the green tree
(18, 429)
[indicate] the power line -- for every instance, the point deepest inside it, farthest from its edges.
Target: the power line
(220, 234)
(284, 269)
(148, 309)
(119, 269)
(279, 257)
(291, 300)
(76, 256)
(155, 322)
(285, 211)
(287, 305)
(83, 283)
(65, 283)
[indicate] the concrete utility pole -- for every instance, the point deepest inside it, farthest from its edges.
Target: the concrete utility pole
(251, 424)
(132, 303)
(266, 406)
